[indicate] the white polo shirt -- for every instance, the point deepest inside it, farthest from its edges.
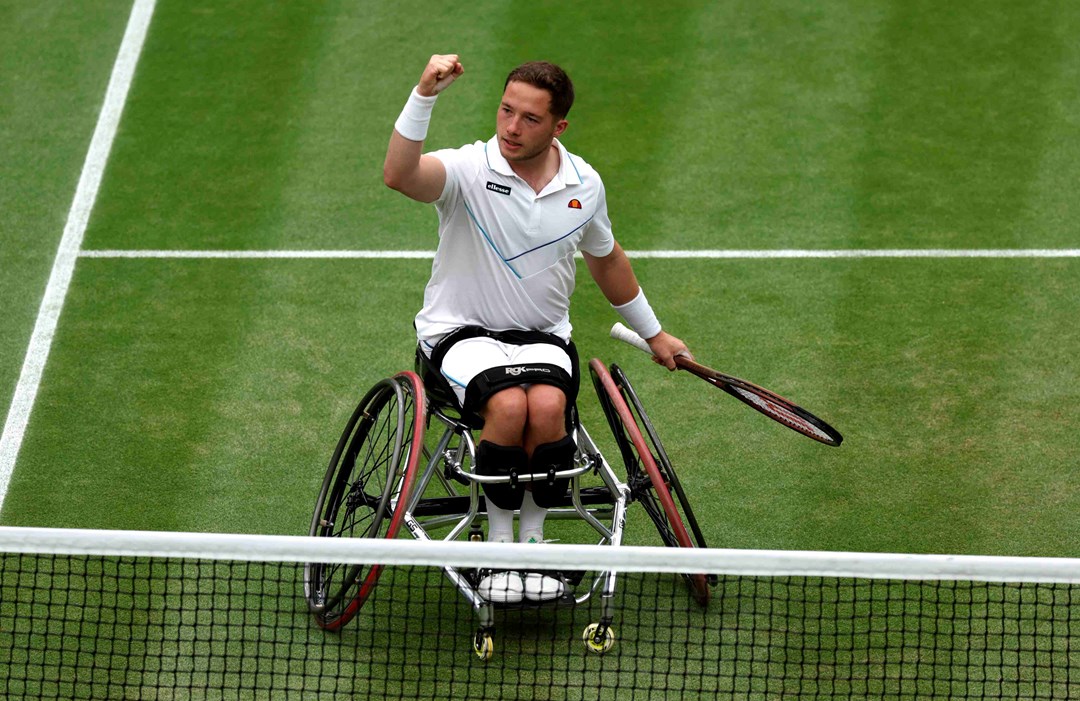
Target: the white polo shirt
(506, 254)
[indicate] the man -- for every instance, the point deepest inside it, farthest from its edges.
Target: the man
(512, 213)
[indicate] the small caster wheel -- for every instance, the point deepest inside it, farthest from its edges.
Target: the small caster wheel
(592, 633)
(483, 645)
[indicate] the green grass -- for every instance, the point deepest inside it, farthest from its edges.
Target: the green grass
(207, 395)
(215, 388)
(51, 89)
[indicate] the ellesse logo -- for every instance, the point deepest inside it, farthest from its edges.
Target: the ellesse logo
(574, 204)
(495, 187)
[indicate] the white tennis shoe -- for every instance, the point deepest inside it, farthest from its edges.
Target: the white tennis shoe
(539, 587)
(502, 588)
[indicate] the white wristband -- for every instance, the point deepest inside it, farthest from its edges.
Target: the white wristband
(412, 123)
(639, 315)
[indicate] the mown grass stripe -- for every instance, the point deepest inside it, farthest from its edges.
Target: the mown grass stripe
(52, 303)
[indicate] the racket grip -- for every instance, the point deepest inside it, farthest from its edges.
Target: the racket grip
(621, 333)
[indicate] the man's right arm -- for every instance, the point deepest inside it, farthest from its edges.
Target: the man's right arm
(406, 168)
(417, 176)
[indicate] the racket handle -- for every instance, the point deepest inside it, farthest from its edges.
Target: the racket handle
(621, 333)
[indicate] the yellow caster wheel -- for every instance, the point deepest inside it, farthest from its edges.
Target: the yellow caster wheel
(483, 646)
(589, 639)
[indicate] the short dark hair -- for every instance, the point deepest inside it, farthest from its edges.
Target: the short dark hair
(546, 76)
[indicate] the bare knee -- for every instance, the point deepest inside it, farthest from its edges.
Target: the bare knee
(546, 413)
(505, 414)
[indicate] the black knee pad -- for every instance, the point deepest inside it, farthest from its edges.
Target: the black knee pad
(551, 458)
(502, 460)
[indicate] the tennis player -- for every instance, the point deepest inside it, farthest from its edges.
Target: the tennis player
(513, 211)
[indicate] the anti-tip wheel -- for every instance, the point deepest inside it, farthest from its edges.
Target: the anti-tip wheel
(589, 639)
(483, 646)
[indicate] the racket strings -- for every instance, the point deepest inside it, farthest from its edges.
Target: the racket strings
(783, 414)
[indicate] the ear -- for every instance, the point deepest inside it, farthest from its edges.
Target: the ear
(561, 126)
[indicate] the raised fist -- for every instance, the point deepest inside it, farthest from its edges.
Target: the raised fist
(440, 71)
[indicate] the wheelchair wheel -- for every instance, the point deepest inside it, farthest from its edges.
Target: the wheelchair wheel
(662, 461)
(365, 492)
(650, 475)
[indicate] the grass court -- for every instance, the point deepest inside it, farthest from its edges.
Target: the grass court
(206, 393)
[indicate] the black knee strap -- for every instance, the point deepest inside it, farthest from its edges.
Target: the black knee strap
(502, 460)
(494, 380)
(550, 458)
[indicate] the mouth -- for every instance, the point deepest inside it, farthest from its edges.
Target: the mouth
(510, 145)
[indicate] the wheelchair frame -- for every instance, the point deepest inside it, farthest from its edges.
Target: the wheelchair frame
(375, 483)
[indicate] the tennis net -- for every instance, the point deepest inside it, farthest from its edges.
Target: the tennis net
(135, 615)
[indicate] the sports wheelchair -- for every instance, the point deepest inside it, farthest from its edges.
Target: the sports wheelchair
(383, 475)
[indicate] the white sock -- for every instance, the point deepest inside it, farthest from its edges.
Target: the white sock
(532, 520)
(500, 524)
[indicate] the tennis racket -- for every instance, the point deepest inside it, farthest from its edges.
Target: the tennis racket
(769, 403)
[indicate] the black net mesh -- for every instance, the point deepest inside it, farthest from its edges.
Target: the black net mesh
(91, 627)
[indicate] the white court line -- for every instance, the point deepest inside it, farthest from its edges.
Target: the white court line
(870, 253)
(259, 254)
(22, 403)
(718, 254)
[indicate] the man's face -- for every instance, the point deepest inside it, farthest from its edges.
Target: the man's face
(525, 124)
